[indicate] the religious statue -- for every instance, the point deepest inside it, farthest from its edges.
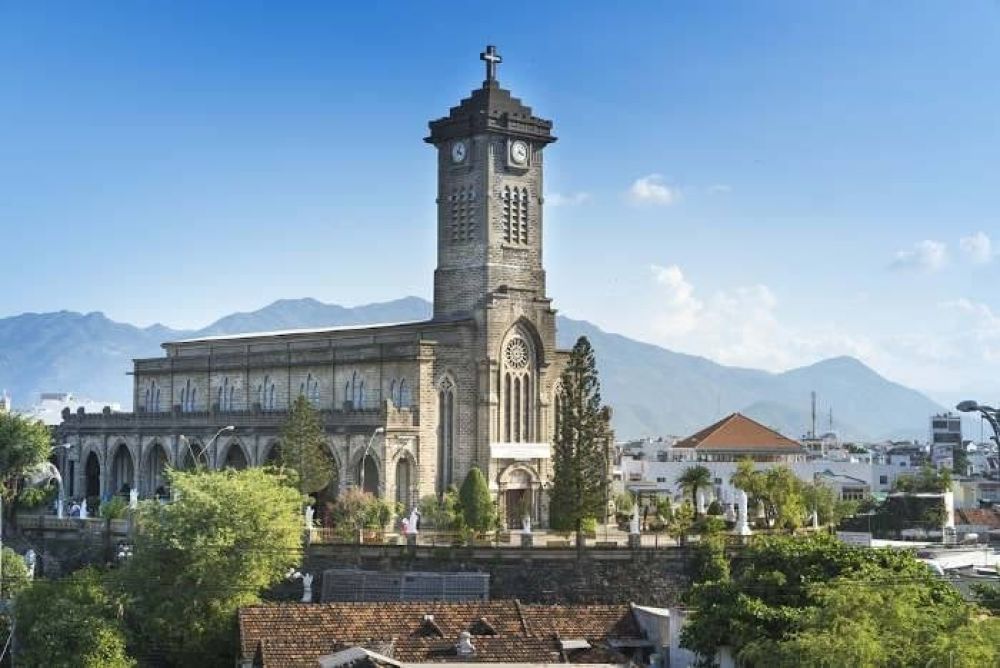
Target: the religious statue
(742, 519)
(815, 519)
(309, 512)
(700, 499)
(133, 499)
(634, 524)
(414, 518)
(307, 588)
(83, 510)
(29, 561)
(526, 524)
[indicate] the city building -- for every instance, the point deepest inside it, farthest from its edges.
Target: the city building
(721, 446)
(51, 405)
(409, 408)
(5, 402)
(945, 440)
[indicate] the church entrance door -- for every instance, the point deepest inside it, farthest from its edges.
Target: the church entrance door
(518, 504)
(92, 482)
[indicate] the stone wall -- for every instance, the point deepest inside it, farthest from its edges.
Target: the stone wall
(647, 577)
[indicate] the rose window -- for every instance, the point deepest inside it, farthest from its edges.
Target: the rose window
(516, 354)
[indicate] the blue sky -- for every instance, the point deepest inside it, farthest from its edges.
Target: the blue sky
(762, 183)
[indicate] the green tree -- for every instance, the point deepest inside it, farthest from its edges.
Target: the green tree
(303, 447)
(478, 510)
(880, 622)
(681, 521)
(356, 510)
(580, 449)
(15, 573)
(230, 535)
(24, 444)
(444, 514)
(776, 583)
(694, 478)
(70, 623)
(927, 480)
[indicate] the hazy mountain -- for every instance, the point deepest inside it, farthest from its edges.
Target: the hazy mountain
(654, 391)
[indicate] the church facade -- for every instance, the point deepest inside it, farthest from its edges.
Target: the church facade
(408, 408)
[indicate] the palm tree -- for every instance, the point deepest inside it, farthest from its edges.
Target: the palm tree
(693, 479)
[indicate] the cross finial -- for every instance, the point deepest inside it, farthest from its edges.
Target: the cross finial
(492, 59)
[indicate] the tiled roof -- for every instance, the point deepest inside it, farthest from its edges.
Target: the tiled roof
(738, 432)
(290, 635)
(978, 516)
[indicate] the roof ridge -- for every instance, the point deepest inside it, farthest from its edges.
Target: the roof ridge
(520, 615)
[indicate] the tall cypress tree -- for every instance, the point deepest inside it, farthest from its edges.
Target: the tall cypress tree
(580, 450)
(303, 447)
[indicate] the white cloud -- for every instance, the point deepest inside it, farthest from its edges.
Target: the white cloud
(680, 307)
(652, 190)
(926, 255)
(570, 199)
(738, 326)
(978, 247)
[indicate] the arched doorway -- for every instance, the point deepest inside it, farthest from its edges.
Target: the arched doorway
(191, 453)
(404, 481)
(122, 471)
(327, 497)
(156, 470)
(368, 475)
(273, 457)
(518, 498)
(92, 477)
(235, 457)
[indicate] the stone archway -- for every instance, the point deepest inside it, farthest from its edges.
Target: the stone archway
(519, 496)
(155, 473)
(122, 472)
(273, 454)
(404, 481)
(368, 475)
(236, 458)
(92, 477)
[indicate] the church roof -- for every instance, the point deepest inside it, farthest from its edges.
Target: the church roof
(490, 108)
(502, 631)
(738, 433)
(295, 332)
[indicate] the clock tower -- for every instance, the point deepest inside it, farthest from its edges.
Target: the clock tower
(489, 198)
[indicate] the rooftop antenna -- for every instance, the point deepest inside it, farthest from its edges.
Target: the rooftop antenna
(812, 432)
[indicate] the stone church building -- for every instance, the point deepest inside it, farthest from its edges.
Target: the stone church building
(408, 408)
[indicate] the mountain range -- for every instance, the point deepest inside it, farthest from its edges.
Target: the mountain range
(653, 391)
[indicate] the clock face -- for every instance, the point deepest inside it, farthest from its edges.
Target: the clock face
(458, 152)
(519, 153)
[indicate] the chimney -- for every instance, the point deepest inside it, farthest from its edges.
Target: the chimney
(465, 646)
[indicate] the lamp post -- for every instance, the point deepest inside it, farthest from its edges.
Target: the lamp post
(361, 478)
(204, 451)
(991, 414)
(364, 456)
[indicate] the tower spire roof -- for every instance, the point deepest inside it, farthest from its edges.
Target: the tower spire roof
(490, 108)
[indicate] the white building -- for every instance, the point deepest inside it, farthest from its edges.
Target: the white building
(721, 446)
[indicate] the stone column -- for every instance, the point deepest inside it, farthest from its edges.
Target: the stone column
(742, 519)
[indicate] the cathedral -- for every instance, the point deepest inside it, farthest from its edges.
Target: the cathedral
(408, 408)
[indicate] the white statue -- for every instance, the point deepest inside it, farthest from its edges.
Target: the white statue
(133, 499)
(700, 499)
(307, 588)
(634, 524)
(815, 519)
(406, 526)
(29, 562)
(742, 519)
(414, 518)
(83, 510)
(526, 524)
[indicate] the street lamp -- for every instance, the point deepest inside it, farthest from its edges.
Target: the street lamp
(364, 456)
(991, 414)
(204, 451)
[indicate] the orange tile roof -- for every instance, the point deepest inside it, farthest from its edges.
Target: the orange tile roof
(737, 433)
(987, 517)
(290, 635)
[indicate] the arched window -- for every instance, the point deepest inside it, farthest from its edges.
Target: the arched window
(518, 388)
(404, 394)
(265, 394)
(309, 388)
(151, 399)
(354, 391)
(224, 396)
(446, 434)
(403, 481)
(189, 397)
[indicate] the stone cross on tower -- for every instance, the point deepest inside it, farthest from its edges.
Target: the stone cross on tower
(492, 59)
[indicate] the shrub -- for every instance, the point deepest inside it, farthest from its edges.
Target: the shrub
(114, 508)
